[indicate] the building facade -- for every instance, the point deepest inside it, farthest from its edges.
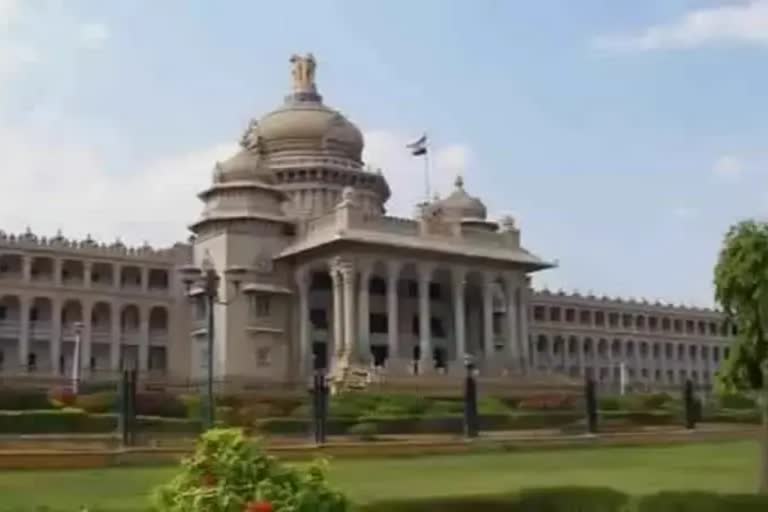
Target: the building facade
(315, 274)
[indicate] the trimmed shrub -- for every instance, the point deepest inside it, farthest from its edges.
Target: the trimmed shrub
(736, 401)
(562, 499)
(54, 422)
(160, 404)
(192, 405)
(491, 405)
(364, 431)
(101, 402)
(701, 502)
(609, 403)
(77, 421)
(571, 499)
(62, 397)
(23, 399)
(548, 402)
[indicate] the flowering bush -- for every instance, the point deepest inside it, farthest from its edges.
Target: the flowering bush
(62, 397)
(547, 402)
(228, 474)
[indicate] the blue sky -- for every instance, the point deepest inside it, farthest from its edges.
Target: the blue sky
(624, 136)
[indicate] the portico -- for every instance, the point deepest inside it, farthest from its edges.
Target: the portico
(408, 315)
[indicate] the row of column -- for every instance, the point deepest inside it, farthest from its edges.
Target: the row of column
(351, 314)
(65, 332)
(634, 360)
(87, 266)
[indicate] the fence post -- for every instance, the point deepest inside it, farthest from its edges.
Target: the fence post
(690, 405)
(127, 407)
(470, 402)
(590, 396)
(319, 406)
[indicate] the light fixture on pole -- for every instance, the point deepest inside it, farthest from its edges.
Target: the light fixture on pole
(202, 284)
(78, 329)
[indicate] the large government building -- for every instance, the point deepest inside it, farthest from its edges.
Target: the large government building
(314, 274)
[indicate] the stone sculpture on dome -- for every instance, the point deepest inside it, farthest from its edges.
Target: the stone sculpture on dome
(251, 139)
(303, 73)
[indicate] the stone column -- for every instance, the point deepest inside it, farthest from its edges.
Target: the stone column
(488, 343)
(117, 282)
(86, 339)
(522, 323)
(58, 263)
(426, 362)
(459, 310)
(364, 337)
(115, 342)
(144, 279)
(26, 270)
(87, 274)
(513, 343)
(351, 345)
(393, 342)
(580, 357)
(24, 309)
(55, 351)
(144, 341)
(303, 280)
(338, 315)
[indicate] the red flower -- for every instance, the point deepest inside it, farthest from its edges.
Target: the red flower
(209, 480)
(259, 506)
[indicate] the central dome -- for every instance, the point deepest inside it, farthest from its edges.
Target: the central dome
(303, 124)
(307, 124)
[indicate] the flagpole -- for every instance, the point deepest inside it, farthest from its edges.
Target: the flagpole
(426, 170)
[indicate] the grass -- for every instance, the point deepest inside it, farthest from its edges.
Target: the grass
(727, 467)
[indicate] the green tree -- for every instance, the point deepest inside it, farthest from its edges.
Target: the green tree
(741, 289)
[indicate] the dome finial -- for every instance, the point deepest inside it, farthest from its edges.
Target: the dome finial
(459, 181)
(303, 73)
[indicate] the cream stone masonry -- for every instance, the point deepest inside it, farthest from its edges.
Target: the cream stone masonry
(333, 283)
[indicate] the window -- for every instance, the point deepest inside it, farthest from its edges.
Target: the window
(3, 313)
(413, 288)
(261, 305)
(599, 318)
(415, 325)
(31, 361)
(318, 318)
(95, 277)
(377, 286)
(378, 323)
(538, 313)
(436, 326)
(263, 356)
(33, 315)
(434, 291)
(570, 315)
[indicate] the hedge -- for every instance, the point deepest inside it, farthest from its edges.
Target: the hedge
(701, 502)
(421, 424)
(13, 399)
(579, 499)
(556, 499)
(77, 421)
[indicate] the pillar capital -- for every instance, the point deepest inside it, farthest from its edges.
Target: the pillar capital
(302, 276)
(393, 268)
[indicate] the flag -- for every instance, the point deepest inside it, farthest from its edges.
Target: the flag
(419, 147)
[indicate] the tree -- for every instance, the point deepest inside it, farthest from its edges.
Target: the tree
(741, 289)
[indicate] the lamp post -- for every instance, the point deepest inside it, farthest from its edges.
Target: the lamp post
(202, 284)
(78, 328)
(470, 398)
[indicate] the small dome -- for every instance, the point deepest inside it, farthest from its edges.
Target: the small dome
(460, 205)
(242, 166)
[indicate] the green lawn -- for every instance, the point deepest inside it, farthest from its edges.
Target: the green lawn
(714, 467)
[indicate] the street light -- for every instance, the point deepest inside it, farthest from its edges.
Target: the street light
(78, 328)
(202, 283)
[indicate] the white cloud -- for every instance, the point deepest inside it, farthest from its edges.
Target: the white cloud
(728, 168)
(93, 35)
(742, 23)
(405, 173)
(70, 187)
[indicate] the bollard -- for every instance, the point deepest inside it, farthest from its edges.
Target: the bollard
(689, 399)
(590, 400)
(470, 403)
(319, 407)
